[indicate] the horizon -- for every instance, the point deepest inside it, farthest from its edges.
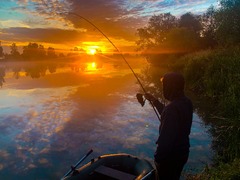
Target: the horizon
(44, 22)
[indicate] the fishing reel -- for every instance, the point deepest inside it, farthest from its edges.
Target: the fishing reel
(141, 99)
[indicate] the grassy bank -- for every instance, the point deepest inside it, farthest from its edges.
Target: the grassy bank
(214, 74)
(223, 171)
(214, 77)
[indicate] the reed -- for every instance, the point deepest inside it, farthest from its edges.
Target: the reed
(224, 171)
(215, 74)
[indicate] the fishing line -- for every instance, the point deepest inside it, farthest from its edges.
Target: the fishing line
(135, 75)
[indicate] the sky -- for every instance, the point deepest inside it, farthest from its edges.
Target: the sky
(58, 23)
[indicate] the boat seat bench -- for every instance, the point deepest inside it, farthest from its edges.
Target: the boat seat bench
(113, 173)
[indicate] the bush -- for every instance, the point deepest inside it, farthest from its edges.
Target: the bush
(215, 74)
(224, 171)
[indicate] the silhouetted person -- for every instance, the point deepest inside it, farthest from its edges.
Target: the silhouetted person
(176, 120)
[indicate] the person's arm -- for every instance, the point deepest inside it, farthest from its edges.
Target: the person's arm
(159, 106)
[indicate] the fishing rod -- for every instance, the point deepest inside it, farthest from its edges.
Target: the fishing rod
(73, 168)
(135, 75)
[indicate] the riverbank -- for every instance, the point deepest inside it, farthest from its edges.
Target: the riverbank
(211, 76)
(214, 75)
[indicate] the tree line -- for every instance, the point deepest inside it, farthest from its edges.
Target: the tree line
(31, 51)
(34, 51)
(167, 34)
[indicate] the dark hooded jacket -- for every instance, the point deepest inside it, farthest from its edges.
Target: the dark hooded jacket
(176, 120)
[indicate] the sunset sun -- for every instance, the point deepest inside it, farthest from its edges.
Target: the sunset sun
(92, 51)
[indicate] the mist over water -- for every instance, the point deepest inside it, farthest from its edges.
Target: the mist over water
(51, 116)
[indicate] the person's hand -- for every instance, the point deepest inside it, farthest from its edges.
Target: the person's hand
(150, 97)
(140, 99)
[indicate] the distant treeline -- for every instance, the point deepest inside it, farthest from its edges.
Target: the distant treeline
(34, 51)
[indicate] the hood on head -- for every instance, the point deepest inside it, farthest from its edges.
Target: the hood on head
(173, 85)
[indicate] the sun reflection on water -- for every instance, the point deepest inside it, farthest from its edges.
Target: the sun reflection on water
(47, 122)
(91, 66)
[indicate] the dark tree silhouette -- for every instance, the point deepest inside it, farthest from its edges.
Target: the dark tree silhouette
(154, 34)
(208, 21)
(228, 23)
(190, 22)
(1, 50)
(14, 51)
(2, 74)
(51, 52)
(33, 51)
(167, 37)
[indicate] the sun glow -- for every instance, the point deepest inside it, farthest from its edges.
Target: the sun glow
(92, 66)
(92, 51)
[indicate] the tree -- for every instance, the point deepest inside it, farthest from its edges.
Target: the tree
(14, 51)
(167, 37)
(33, 51)
(75, 48)
(228, 23)
(98, 51)
(30, 51)
(1, 50)
(61, 55)
(166, 33)
(155, 33)
(185, 37)
(41, 51)
(2, 74)
(181, 40)
(229, 4)
(208, 33)
(51, 52)
(81, 51)
(190, 22)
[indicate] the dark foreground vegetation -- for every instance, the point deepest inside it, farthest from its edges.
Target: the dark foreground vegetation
(215, 75)
(206, 49)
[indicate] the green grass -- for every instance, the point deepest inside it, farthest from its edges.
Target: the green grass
(215, 74)
(224, 171)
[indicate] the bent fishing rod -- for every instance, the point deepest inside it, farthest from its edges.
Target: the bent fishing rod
(135, 75)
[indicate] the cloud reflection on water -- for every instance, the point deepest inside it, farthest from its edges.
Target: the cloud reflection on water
(39, 116)
(47, 125)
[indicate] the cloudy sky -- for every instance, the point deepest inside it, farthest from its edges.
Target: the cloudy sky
(57, 23)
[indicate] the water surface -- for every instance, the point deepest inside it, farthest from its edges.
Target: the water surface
(52, 114)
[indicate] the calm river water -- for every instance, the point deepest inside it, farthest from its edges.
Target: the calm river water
(53, 114)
